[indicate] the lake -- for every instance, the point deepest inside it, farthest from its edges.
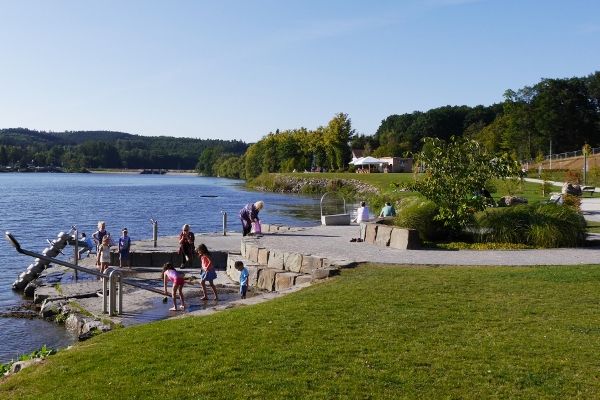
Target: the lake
(36, 207)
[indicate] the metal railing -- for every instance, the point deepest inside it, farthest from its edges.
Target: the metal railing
(110, 278)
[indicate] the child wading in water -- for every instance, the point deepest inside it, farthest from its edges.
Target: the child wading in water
(243, 278)
(169, 273)
(208, 271)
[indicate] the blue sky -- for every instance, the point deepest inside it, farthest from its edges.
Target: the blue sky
(240, 69)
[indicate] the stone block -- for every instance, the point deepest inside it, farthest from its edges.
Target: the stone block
(292, 262)
(275, 260)
(310, 263)
(263, 256)
(243, 248)
(284, 280)
(384, 234)
(253, 272)
(303, 279)
(252, 252)
(266, 278)
(324, 273)
(371, 233)
(405, 239)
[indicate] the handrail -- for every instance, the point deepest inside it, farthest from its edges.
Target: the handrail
(323, 197)
(110, 275)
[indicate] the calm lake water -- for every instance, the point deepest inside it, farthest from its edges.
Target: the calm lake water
(36, 207)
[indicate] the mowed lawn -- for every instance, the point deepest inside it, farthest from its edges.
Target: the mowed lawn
(374, 332)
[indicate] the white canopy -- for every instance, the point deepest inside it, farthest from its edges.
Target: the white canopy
(368, 161)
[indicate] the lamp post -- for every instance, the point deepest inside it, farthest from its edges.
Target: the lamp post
(586, 150)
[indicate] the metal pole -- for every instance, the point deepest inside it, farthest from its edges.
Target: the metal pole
(224, 222)
(154, 231)
(76, 257)
(104, 294)
(550, 154)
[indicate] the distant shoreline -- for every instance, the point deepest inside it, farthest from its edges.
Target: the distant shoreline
(139, 171)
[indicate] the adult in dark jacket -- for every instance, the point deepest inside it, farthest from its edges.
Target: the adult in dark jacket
(186, 246)
(249, 214)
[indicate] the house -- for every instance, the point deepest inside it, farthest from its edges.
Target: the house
(398, 164)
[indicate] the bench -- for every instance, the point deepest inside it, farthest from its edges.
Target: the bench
(588, 189)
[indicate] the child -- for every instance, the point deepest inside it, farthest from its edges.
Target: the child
(170, 274)
(243, 277)
(208, 271)
(103, 257)
(88, 245)
(124, 245)
(99, 236)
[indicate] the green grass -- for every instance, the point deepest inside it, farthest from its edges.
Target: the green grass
(374, 332)
(531, 191)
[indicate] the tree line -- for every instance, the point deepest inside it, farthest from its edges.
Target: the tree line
(78, 150)
(557, 114)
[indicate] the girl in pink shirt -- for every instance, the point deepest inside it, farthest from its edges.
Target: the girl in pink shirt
(208, 271)
(169, 273)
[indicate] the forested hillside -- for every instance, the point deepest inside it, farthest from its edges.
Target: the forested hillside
(105, 149)
(562, 114)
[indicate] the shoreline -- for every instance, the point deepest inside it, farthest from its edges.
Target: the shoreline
(139, 172)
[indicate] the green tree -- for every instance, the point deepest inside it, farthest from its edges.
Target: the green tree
(337, 138)
(454, 171)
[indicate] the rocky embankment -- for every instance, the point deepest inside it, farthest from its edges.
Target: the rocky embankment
(305, 185)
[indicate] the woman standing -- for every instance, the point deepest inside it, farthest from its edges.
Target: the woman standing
(249, 215)
(186, 246)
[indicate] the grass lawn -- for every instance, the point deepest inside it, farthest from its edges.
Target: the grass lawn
(374, 332)
(531, 191)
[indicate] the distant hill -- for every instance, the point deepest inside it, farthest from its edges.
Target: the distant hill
(106, 149)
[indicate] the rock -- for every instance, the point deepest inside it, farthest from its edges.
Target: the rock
(284, 280)
(292, 262)
(266, 278)
(50, 308)
(29, 290)
(263, 256)
(74, 323)
(303, 279)
(19, 365)
(324, 273)
(405, 239)
(310, 263)
(275, 260)
(370, 233)
(384, 234)
(90, 328)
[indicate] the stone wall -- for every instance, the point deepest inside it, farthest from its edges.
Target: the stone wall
(274, 270)
(389, 236)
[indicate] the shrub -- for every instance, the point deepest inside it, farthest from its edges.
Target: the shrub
(539, 225)
(416, 212)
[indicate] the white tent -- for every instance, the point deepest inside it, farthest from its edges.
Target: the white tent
(367, 161)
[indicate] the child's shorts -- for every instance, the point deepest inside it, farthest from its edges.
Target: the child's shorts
(209, 275)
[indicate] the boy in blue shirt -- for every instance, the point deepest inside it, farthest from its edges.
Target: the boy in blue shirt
(124, 246)
(243, 277)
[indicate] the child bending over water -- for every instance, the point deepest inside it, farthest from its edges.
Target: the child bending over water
(169, 273)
